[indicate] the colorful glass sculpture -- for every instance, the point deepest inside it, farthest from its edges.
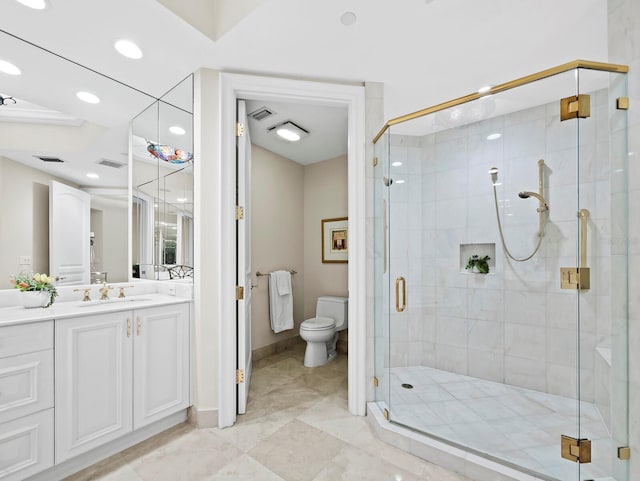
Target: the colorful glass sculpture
(168, 153)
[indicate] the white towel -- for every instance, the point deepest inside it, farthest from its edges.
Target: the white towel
(280, 305)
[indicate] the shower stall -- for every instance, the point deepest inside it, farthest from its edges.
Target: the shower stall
(518, 358)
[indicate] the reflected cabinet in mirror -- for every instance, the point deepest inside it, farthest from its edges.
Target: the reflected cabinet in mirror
(162, 187)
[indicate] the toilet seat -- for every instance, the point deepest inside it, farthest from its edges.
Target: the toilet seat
(318, 324)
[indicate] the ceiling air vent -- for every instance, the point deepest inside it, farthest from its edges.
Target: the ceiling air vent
(49, 159)
(261, 113)
(110, 163)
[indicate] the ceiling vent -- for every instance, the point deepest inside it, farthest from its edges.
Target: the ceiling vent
(110, 163)
(261, 113)
(49, 159)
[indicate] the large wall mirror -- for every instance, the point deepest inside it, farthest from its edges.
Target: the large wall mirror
(162, 187)
(49, 138)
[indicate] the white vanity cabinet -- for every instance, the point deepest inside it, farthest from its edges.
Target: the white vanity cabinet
(117, 372)
(26, 399)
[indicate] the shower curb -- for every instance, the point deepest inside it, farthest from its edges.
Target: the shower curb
(442, 454)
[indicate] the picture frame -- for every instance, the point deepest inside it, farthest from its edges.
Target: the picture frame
(335, 240)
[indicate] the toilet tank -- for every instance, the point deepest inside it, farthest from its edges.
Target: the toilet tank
(335, 308)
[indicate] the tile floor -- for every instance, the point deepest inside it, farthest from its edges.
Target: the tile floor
(511, 423)
(297, 428)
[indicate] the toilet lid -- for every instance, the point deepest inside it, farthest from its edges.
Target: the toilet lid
(317, 323)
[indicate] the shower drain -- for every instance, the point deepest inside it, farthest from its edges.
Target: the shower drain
(407, 386)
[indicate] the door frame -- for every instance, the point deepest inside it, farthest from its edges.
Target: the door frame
(250, 87)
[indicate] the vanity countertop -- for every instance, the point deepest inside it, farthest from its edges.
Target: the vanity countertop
(62, 310)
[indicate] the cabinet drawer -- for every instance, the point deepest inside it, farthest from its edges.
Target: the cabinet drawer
(24, 338)
(26, 446)
(26, 384)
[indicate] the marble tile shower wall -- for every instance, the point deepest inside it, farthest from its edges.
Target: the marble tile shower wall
(514, 325)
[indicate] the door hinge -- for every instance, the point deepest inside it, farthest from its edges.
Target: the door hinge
(239, 293)
(239, 129)
(622, 103)
(576, 278)
(239, 376)
(375, 161)
(239, 212)
(624, 453)
(375, 382)
(576, 106)
(576, 450)
(386, 414)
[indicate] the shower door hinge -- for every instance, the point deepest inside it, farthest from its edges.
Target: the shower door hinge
(375, 382)
(239, 129)
(622, 103)
(375, 161)
(576, 106)
(239, 376)
(239, 212)
(576, 450)
(624, 453)
(576, 278)
(386, 414)
(239, 293)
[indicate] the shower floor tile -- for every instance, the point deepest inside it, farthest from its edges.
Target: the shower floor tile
(517, 425)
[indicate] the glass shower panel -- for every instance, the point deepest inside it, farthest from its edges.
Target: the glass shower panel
(381, 272)
(603, 352)
(483, 338)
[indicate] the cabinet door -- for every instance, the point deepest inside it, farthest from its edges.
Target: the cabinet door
(161, 362)
(93, 381)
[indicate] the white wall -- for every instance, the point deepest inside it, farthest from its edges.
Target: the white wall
(277, 213)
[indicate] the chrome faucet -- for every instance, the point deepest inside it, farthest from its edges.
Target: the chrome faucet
(104, 292)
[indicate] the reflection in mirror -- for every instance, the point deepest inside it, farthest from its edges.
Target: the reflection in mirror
(162, 187)
(49, 135)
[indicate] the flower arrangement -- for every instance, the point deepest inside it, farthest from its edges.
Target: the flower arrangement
(36, 282)
(480, 263)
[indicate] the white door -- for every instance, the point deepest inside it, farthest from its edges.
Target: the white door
(93, 377)
(161, 362)
(69, 230)
(244, 259)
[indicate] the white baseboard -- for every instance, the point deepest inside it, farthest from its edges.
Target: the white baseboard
(203, 419)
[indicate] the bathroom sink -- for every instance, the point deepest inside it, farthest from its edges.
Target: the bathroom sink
(115, 300)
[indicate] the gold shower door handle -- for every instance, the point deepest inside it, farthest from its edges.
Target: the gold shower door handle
(403, 281)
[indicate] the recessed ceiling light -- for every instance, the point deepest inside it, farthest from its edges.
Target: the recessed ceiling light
(399, 181)
(494, 136)
(128, 49)
(9, 68)
(484, 89)
(396, 164)
(88, 97)
(348, 18)
(91, 175)
(174, 129)
(35, 4)
(181, 199)
(289, 131)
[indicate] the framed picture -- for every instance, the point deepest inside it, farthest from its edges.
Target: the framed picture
(335, 240)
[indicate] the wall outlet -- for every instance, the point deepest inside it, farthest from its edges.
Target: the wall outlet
(172, 290)
(24, 260)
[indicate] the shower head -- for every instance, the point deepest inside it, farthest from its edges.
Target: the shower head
(494, 174)
(543, 202)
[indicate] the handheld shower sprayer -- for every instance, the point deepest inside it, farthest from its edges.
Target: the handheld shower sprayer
(543, 209)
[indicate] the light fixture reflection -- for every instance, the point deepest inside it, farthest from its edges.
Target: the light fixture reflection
(9, 68)
(92, 175)
(287, 134)
(181, 199)
(399, 181)
(494, 136)
(35, 4)
(396, 164)
(88, 97)
(128, 49)
(175, 129)
(484, 89)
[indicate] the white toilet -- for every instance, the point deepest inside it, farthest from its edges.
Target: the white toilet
(321, 332)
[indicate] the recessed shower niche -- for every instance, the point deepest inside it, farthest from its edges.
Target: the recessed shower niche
(467, 251)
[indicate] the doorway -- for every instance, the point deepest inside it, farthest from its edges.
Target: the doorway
(235, 87)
